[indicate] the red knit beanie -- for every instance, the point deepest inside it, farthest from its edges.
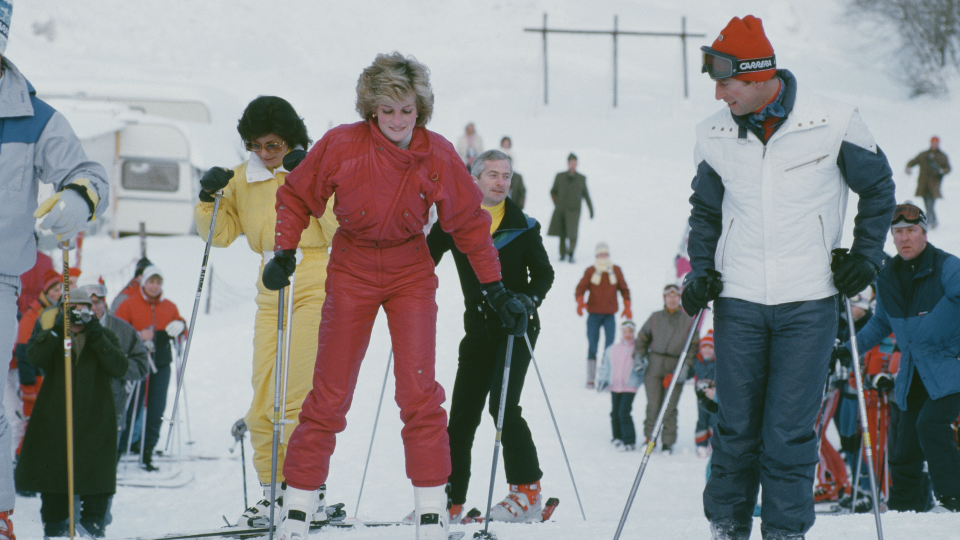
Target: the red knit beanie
(706, 340)
(50, 278)
(745, 39)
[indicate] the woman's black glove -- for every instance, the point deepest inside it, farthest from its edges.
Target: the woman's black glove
(277, 272)
(213, 181)
(511, 311)
(852, 272)
(293, 158)
(700, 290)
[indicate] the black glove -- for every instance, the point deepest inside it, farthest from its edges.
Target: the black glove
(842, 355)
(213, 181)
(852, 272)
(707, 403)
(883, 382)
(511, 311)
(277, 272)
(238, 429)
(528, 303)
(93, 329)
(700, 290)
(293, 158)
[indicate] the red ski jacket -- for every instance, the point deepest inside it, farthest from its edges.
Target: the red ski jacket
(384, 193)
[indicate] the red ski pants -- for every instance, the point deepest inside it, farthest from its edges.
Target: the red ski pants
(360, 280)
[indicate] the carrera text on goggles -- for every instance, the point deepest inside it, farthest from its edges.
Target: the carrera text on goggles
(273, 148)
(908, 213)
(723, 66)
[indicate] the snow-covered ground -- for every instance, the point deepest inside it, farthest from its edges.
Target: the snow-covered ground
(485, 69)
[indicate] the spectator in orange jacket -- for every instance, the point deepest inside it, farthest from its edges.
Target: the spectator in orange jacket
(602, 280)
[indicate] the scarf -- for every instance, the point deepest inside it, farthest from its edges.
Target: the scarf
(496, 213)
(603, 266)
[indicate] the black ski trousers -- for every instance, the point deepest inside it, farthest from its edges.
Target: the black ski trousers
(479, 373)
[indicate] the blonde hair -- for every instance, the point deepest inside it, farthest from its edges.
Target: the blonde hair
(395, 77)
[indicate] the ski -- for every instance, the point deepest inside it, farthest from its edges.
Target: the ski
(474, 515)
(147, 479)
(260, 532)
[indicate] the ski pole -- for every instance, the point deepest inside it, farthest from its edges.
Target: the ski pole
(286, 355)
(131, 413)
(68, 380)
(496, 445)
(555, 426)
(193, 318)
(243, 462)
(694, 328)
(276, 411)
(864, 425)
(376, 420)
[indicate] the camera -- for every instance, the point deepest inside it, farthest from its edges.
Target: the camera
(80, 315)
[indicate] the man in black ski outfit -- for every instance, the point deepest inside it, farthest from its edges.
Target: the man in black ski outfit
(526, 270)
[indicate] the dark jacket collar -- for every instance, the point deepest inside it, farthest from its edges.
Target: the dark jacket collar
(788, 99)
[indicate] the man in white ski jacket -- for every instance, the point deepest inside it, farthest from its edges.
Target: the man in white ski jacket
(770, 194)
(36, 145)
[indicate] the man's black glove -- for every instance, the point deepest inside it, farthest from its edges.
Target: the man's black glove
(529, 304)
(883, 382)
(511, 311)
(700, 290)
(852, 272)
(843, 355)
(277, 272)
(705, 402)
(93, 329)
(238, 429)
(213, 181)
(293, 158)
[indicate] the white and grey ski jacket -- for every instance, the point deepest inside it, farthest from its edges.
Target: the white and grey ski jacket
(37, 145)
(766, 216)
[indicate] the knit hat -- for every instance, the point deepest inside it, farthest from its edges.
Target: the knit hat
(6, 10)
(80, 296)
(745, 40)
(706, 340)
(571, 156)
(602, 247)
(934, 139)
(151, 271)
(142, 264)
(629, 324)
(671, 287)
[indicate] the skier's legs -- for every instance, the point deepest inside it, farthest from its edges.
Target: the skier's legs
(156, 404)
(929, 201)
(348, 314)
(910, 486)
(609, 330)
(936, 438)
(701, 433)
(594, 321)
(470, 388)
(411, 310)
(653, 385)
(669, 436)
(308, 301)
(615, 415)
(742, 340)
(625, 407)
(802, 338)
(9, 289)
(520, 462)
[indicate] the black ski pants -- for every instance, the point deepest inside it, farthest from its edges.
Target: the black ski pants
(479, 373)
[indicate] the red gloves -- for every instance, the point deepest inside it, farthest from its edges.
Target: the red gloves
(580, 306)
(627, 314)
(667, 380)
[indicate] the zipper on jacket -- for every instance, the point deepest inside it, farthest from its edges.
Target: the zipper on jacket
(823, 237)
(818, 160)
(723, 248)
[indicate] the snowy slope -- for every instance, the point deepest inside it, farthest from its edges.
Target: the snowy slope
(485, 69)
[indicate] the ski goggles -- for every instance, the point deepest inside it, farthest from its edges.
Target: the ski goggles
(908, 213)
(723, 66)
(96, 289)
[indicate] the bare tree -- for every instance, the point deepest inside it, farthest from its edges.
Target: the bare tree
(930, 34)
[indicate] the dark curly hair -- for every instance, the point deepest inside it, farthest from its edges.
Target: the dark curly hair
(271, 114)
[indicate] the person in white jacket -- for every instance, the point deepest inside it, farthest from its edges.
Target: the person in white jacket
(769, 197)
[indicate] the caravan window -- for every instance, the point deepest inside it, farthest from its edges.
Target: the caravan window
(150, 175)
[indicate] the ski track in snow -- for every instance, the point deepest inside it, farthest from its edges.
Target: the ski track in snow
(637, 159)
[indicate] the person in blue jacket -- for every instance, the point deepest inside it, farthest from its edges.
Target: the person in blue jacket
(918, 299)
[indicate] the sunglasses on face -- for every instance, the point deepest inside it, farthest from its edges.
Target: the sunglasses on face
(908, 213)
(272, 148)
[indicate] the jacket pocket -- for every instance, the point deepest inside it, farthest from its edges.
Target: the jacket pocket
(805, 164)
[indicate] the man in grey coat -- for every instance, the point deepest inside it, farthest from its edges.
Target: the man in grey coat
(569, 188)
(36, 145)
(132, 346)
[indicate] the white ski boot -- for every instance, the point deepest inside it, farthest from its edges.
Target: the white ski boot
(258, 515)
(431, 516)
(522, 505)
(299, 507)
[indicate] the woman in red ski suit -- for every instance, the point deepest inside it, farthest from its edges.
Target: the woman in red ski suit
(386, 172)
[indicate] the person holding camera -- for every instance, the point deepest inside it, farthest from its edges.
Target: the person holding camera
(42, 467)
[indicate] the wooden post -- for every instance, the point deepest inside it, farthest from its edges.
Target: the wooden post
(545, 79)
(683, 41)
(614, 61)
(143, 240)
